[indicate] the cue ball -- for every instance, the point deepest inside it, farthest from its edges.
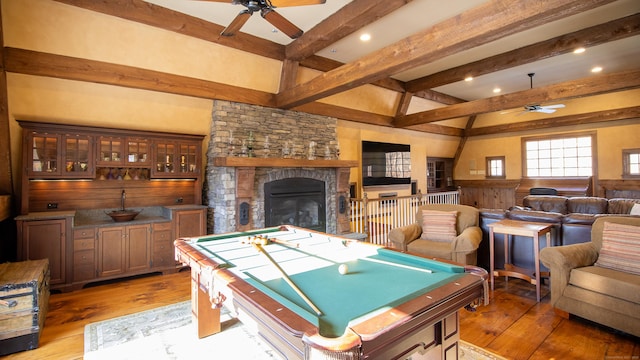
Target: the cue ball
(343, 269)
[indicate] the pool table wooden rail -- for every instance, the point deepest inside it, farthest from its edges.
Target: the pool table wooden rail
(427, 323)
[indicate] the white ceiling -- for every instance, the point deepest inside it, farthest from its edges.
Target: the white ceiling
(420, 14)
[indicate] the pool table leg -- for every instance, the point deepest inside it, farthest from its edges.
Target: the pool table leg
(206, 316)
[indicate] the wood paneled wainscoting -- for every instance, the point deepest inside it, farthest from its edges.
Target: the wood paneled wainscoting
(488, 194)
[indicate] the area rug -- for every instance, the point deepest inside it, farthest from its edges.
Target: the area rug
(168, 333)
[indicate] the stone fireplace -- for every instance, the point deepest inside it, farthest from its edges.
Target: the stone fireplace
(236, 184)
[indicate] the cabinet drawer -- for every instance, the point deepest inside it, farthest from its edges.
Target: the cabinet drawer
(83, 257)
(163, 247)
(84, 233)
(162, 226)
(84, 244)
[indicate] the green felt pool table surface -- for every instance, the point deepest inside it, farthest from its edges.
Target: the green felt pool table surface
(377, 279)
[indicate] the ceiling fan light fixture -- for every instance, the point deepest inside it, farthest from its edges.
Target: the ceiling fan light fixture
(596, 69)
(579, 50)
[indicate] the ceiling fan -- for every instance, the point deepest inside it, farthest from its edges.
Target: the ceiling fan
(266, 9)
(546, 109)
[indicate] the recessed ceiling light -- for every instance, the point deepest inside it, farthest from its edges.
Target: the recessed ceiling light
(596, 69)
(579, 50)
(468, 78)
(496, 90)
(365, 37)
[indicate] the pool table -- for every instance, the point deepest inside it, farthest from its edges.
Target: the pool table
(285, 282)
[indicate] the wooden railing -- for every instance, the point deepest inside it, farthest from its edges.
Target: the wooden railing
(375, 217)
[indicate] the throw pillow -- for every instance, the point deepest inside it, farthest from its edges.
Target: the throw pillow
(439, 225)
(620, 248)
(635, 210)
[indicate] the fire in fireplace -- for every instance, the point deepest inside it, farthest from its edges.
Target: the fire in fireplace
(295, 201)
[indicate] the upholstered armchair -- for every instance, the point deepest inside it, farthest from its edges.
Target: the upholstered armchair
(599, 280)
(445, 231)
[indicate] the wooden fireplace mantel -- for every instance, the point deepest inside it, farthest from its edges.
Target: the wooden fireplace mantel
(279, 162)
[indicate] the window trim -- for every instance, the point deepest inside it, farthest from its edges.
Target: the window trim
(626, 171)
(488, 174)
(594, 151)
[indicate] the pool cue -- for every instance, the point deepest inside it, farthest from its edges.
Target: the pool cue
(283, 242)
(398, 265)
(287, 279)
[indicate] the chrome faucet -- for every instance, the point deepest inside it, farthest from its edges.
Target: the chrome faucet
(124, 196)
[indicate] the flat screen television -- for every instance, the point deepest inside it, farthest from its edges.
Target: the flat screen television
(385, 163)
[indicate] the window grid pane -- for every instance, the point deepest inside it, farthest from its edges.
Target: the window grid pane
(560, 157)
(631, 162)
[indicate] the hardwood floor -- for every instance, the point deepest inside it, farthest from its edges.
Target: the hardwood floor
(512, 325)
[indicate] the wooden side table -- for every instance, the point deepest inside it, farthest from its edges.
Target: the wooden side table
(522, 228)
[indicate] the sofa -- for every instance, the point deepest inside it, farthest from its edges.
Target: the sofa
(571, 217)
(599, 280)
(461, 246)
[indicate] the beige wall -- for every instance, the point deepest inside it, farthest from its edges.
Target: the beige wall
(52, 27)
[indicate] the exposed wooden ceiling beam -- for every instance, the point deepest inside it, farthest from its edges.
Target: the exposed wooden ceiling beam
(158, 16)
(70, 68)
(558, 121)
(439, 97)
(349, 19)
(483, 24)
(593, 85)
(343, 113)
(589, 37)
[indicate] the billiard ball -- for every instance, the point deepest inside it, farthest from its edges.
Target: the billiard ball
(343, 269)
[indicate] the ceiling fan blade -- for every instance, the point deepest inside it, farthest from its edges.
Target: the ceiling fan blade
(281, 23)
(556, 106)
(285, 3)
(237, 23)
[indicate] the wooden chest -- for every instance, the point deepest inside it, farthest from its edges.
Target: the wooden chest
(24, 300)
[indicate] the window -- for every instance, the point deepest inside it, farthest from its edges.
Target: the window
(495, 167)
(631, 163)
(559, 156)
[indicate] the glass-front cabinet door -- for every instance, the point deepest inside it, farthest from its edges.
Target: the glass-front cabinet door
(179, 159)
(44, 156)
(110, 151)
(165, 159)
(189, 158)
(77, 153)
(137, 153)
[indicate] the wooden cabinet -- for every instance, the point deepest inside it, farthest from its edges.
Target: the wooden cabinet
(77, 155)
(123, 151)
(123, 249)
(162, 251)
(111, 251)
(111, 161)
(84, 254)
(42, 151)
(189, 222)
(106, 156)
(137, 248)
(45, 239)
(176, 159)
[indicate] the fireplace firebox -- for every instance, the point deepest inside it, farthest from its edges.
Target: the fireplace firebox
(295, 201)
